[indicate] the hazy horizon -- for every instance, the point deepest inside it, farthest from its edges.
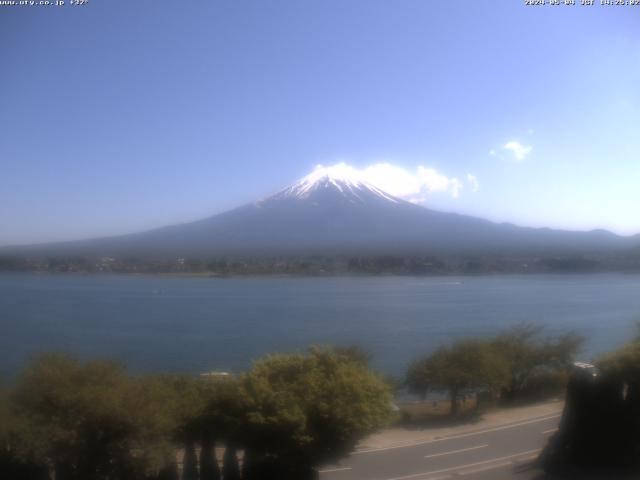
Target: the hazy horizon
(126, 117)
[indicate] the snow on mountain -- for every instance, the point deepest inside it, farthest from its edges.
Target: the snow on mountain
(341, 177)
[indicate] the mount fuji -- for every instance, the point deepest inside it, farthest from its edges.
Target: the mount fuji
(334, 211)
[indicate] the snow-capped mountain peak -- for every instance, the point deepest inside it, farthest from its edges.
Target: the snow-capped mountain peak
(334, 211)
(340, 177)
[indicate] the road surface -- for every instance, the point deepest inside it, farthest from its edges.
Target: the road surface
(501, 452)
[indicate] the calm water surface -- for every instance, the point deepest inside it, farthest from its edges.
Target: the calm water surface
(200, 324)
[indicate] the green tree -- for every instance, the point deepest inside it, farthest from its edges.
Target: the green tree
(186, 399)
(526, 354)
(467, 364)
(11, 467)
(355, 353)
(418, 377)
(222, 422)
(302, 410)
(90, 420)
(623, 364)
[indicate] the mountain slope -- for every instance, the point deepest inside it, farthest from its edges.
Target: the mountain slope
(332, 211)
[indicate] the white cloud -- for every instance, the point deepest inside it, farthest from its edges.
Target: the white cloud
(518, 150)
(392, 179)
(472, 180)
(433, 181)
(412, 185)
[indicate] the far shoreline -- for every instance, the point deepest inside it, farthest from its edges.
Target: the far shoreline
(214, 276)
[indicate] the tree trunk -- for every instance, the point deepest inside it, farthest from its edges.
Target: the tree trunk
(249, 467)
(190, 462)
(230, 467)
(209, 469)
(454, 401)
(63, 471)
(170, 472)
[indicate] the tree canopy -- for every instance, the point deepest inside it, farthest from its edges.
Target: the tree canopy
(306, 409)
(623, 364)
(509, 362)
(526, 354)
(94, 421)
(466, 364)
(88, 419)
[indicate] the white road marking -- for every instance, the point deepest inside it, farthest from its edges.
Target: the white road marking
(338, 469)
(455, 451)
(486, 468)
(551, 430)
(462, 467)
(527, 458)
(453, 437)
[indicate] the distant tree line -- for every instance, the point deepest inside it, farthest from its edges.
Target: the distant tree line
(330, 264)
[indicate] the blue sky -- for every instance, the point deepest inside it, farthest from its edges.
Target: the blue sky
(120, 116)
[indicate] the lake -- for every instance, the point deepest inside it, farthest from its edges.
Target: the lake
(200, 324)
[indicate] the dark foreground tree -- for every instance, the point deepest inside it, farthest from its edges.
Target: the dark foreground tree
(599, 433)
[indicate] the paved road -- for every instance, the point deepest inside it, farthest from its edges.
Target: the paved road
(501, 452)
